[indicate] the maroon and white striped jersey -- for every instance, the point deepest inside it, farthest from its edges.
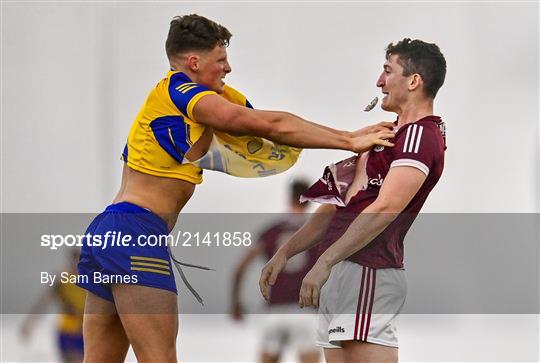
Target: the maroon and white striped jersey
(420, 145)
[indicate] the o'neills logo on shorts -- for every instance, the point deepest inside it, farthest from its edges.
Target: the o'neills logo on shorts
(337, 329)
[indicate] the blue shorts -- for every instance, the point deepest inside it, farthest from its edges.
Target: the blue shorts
(140, 261)
(70, 343)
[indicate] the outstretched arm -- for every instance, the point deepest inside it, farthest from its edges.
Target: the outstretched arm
(282, 127)
(306, 237)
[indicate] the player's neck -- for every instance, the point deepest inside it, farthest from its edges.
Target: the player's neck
(415, 111)
(186, 71)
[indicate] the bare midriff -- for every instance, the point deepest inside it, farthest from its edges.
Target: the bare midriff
(162, 196)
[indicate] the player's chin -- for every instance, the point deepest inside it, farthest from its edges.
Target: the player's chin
(219, 88)
(387, 107)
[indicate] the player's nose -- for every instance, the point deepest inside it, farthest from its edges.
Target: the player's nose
(227, 68)
(380, 81)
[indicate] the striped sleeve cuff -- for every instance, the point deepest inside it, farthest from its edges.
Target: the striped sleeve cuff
(194, 101)
(411, 162)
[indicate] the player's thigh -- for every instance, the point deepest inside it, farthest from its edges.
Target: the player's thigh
(334, 355)
(356, 351)
(150, 319)
(104, 336)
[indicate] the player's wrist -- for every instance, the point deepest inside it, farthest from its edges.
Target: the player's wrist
(347, 140)
(284, 252)
(326, 261)
(347, 134)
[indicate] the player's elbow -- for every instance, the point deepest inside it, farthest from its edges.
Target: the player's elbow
(277, 127)
(386, 206)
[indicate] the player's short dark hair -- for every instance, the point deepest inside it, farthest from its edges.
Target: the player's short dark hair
(426, 59)
(298, 187)
(195, 32)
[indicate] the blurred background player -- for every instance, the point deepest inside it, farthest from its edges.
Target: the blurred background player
(286, 325)
(70, 300)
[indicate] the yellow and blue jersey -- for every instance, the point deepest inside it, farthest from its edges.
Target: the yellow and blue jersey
(164, 129)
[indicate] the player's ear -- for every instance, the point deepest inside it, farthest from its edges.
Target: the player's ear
(415, 81)
(192, 62)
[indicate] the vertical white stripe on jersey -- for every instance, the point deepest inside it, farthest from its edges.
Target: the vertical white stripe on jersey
(411, 141)
(420, 129)
(406, 139)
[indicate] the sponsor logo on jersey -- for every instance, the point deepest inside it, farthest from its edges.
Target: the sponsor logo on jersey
(378, 148)
(337, 329)
(254, 145)
(376, 181)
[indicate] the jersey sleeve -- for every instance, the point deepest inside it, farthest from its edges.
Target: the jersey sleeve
(417, 146)
(185, 94)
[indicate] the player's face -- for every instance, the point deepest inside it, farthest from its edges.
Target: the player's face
(393, 84)
(213, 67)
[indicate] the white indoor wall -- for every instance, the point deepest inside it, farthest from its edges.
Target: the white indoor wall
(74, 75)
